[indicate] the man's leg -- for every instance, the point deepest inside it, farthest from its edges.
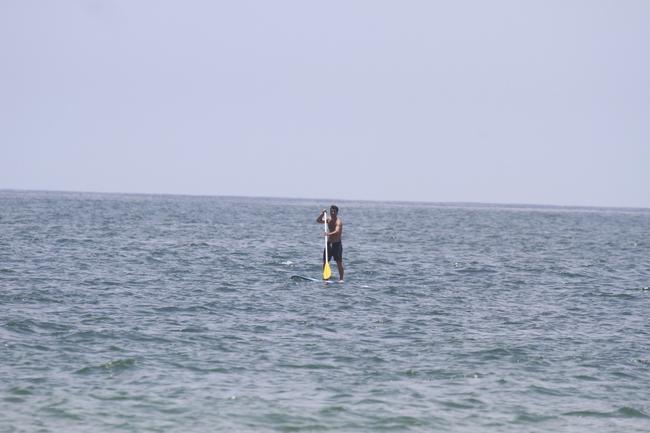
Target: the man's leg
(339, 264)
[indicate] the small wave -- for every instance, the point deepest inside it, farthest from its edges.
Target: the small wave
(194, 329)
(586, 378)
(332, 410)
(624, 375)
(33, 326)
(630, 412)
(167, 309)
(491, 354)
(20, 326)
(61, 413)
(120, 396)
(87, 336)
(398, 422)
(465, 404)
(13, 399)
(310, 366)
(624, 296)
(185, 309)
(65, 241)
(532, 418)
(623, 412)
(367, 401)
(568, 274)
(200, 369)
(173, 410)
(476, 271)
(111, 367)
(100, 283)
(587, 413)
(546, 391)
(17, 390)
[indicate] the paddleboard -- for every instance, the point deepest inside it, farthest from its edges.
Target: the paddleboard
(315, 280)
(303, 278)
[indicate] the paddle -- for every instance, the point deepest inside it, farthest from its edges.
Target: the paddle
(327, 272)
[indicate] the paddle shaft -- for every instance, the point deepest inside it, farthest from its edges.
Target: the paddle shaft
(327, 272)
(326, 237)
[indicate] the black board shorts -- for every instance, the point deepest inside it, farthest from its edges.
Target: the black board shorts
(334, 249)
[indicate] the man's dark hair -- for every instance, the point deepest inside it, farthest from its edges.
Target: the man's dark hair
(336, 208)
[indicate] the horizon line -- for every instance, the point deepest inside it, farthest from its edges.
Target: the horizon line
(420, 202)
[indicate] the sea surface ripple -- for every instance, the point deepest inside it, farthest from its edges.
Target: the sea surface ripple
(152, 313)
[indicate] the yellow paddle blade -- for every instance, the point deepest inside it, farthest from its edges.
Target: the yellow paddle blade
(327, 272)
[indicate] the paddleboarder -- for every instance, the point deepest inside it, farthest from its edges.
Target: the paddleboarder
(333, 233)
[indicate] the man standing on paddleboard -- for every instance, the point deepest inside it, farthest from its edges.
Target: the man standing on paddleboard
(333, 233)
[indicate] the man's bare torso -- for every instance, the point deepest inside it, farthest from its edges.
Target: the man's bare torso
(332, 225)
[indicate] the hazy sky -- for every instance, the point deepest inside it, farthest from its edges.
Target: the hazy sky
(540, 101)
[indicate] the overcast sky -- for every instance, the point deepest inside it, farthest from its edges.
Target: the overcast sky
(544, 102)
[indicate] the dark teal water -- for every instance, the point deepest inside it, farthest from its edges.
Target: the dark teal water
(136, 313)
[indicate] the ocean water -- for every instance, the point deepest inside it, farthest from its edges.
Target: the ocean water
(144, 313)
